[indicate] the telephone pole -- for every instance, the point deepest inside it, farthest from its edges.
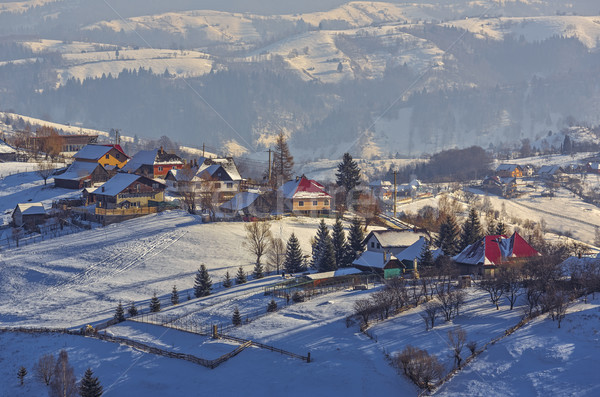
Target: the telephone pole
(269, 175)
(395, 172)
(202, 149)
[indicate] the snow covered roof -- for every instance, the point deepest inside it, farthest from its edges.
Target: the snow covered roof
(381, 184)
(31, 208)
(117, 184)
(229, 166)
(412, 252)
(78, 170)
(344, 271)
(303, 188)
(396, 238)
(5, 148)
(494, 249)
(92, 152)
(373, 259)
(508, 167)
(240, 201)
(549, 170)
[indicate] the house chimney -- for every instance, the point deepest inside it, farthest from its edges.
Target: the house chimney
(102, 189)
(162, 151)
(579, 255)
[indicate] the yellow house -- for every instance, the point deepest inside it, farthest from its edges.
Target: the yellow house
(509, 171)
(106, 155)
(128, 191)
(305, 196)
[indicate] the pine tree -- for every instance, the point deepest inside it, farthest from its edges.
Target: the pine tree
(491, 227)
(348, 175)
(21, 374)
(227, 282)
(258, 271)
(202, 283)
(293, 256)
(471, 230)
(120, 313)
(236, 319)
(89, 386)
(338, 238)
(426, 256)
(326, 256)
(356, 237)
(240, 277)
(317, 245)
(132, 310)
(449, 236)
(501, 229)
(283, 162)
(174, 296)
(154, 304)
(272, 306)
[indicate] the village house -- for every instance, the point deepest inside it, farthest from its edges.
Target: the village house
(485, 256)
(509, 171)
(109, 156)
(155, 163)
(28, 215)
(248, 204)
(127, 191)
(382, 263)
(383, 190)
(7, 152)
(506, 187)
(553, 173)
(81, 174)
(305, 197)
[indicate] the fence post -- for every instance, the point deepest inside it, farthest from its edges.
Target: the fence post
(308, 358)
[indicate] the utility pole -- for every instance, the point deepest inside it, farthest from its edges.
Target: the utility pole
(117, 137)
(395, 172)
(202, 149)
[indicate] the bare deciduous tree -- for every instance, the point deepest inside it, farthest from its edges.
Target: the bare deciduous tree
(430, 314)
(63, 382)
(276, 254)
(457, 338)
(44, 368)
(258, 238)
(44, 169)
(494, 287)
(364, 309)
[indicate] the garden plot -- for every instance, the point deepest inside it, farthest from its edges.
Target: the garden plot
(478, 317)
(539, 359)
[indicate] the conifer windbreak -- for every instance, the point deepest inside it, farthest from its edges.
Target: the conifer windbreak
(202, 283)
(340, 245)
(348, 175)
(90, 385)
(356, 237)
(293, 256)
(449, 236)
(471, 230)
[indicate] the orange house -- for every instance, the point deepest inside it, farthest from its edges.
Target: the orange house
(105, 155)
(305, 196)
(509, 171)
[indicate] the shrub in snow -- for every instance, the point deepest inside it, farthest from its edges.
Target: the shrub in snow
(272, 306)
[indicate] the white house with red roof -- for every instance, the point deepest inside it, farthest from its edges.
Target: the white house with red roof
(486, 255)
(305, 196)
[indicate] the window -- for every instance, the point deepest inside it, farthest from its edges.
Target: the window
(378, 245)
(217, 185)
(118, 155)
(107, 156)
(326, 202)
(372, 245)
(229, 185)
(315, 203)
(137, 187)
(155, 186)
(300, 203)
(160, 168)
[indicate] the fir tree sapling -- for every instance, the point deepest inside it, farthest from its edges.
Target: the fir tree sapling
(119, 313)
(90, 386)
(202, 283)
(21, 374)
(174, 295)
(258, 271)
(227, 281)
(240, 277)
(154, 304)
(132, 310)
(356, 237)
(236, 319)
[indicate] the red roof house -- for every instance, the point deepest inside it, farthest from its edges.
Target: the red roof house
(305, 196)
(484, 256)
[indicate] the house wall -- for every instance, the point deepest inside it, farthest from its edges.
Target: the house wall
(17, 217)
(114, 158)
(322, 204)
(374, 245)
(161, 170)
(141, 199)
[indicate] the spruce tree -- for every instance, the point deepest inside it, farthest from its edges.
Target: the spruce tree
(174, 296)
(21, 374)
(449, 236)
(491, 227)
(501, 229)
(120, 313)
(471, 230)
(338, 238)
(356, 237)
(258, 271)
(132, 310)
(240, 277)
(272, 306)
(89, 386)
(236, 319)
(426, 256)
(227, 281)
(154, 304)
(348, 175)
(202, 283)
(317, 246)
(283, 162)
(293, 256)
(326, 257)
